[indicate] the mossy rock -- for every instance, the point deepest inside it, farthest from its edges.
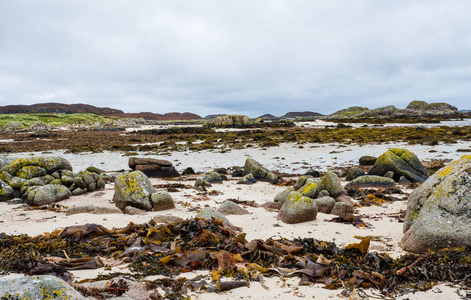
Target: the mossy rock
(402, 162)
(297, 208)
(46, 194)
(309, 189)
(161, 200)
(29, 172)
(302, 181)
(133, 189)
(331, 183)
(282, 196)
(258, 171)
(371, 181)
(213, 177)
(354, 173)
(247, 179)
(6, 191)
(50, 164)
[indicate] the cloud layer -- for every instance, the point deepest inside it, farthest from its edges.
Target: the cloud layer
(251, 57)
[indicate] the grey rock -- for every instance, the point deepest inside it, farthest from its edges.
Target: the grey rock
(371, 181)
(78, 191)
(297, 208)
(258, 171)
(129, 210)
(133, 189)
(367, 160)
(341, 208)
(309, 189)
(331, 183)
(282, 196)
(354, 173)
(230, 208)
(167, 219)
(46, 194)
(91, 209)
(200, 182)
(438, 211)
(402, 162)
(207, 214)
(50, 164)
(325, 204)
(6, 191)
(323, 193)
(161, 200)
(247, 179)
(213, 177)
(301, 181)
(67, 180)
(388, 174)
(37, 287)
(153, 167)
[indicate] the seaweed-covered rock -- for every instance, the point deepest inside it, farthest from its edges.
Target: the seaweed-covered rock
(6, 191)
(46, 194)
(37, 287)
(402, 162)
(213, 177)
(331, 183)
(367, 160)
(371, 181)
(282, 196)
(50, 164)
(161, 200)
(153, 167)
(325, 204)
(133, 189)
(354, 173)
(258, 171)
(297, 208)
(230, 208)
(438, 211)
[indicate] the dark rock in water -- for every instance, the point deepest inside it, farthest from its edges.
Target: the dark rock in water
(297, 208)
(371, 181)
(438, 211)
(6, 191)
(402, 162)
(354, 173)
(188, 171)
(37, 287)
(367, 160)
(238, 173)
(153, 167)
(313, 173)
(230, 208)
(255, 168)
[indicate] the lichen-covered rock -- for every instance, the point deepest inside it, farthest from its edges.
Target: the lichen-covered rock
(29, 172)
(331, 183)
(230, 208)
(438, 212)
(309, 189)
(301, 181)
(46, 194)
(162, 200)
(12, 127)
(297, 208)
(325, 204)
(402, 162)
(37, 287)
(247, 179)
(6, 191)
(50, 164)
(367, 160)
(354, 173)
(282, 196)
(228, 121)
(258, 171)
(213, 177)
(371, 181)
(133, 189)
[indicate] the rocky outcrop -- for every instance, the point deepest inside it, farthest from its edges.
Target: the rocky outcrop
(402, 162)
(153, 167)
(237, 121)
(46, 194)
(37, 287)
(258, 171)
(297, 208)
(438, 211)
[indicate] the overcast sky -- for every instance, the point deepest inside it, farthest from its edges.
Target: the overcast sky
(249, 57)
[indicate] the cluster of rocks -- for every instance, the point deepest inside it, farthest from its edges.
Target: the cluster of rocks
(45, 180)
(36, 127)
(134, 190)
(311, 195)
(236, 121)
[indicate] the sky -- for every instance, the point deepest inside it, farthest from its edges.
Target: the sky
(247, 57)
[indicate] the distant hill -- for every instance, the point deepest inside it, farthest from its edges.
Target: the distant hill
(268, 116)
(303, 114)
(58, 108)
(213, 116)
(85, 108)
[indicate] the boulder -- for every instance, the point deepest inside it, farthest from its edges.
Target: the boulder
(50, 164)
(313, 173)
(301, 181)
(438, 212)
(188, 171)
(153, 167)
(230, 208)
(282, 196)
(371, 181)
(207, 214)
(255, 168)
(167, 219)
(201, 182)
(309, 189)
(325, 204)
(367, 160)
(46, 194)
(161, 200)
(6, 191)
(213, 177)
(402, 162)
(297, 208)
(37, 287)
(238, 173)
(331, 183)
(247, 179)
(133, 189)
(342, 208)
(354, 173)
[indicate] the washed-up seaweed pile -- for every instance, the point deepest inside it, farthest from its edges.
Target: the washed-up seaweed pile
(197, 244)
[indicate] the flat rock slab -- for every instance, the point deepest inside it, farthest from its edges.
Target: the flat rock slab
(153, 167)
